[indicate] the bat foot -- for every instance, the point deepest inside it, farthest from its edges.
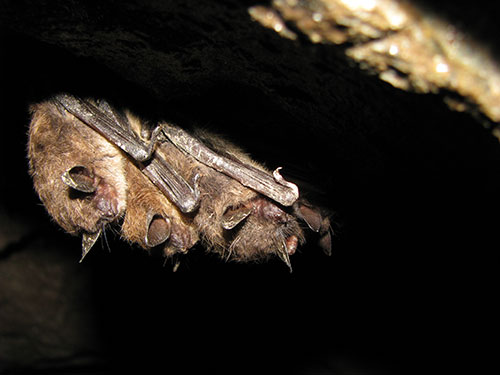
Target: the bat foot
(280, 180)
(117, 167)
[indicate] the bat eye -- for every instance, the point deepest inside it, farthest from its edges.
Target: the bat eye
(79, 178)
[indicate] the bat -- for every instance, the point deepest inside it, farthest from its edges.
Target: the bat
(93, 166)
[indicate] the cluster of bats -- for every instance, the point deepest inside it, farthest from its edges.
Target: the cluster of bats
(93, 166)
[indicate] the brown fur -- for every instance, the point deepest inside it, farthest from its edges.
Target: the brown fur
(58, 142)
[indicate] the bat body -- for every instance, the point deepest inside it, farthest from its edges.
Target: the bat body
(93, 166)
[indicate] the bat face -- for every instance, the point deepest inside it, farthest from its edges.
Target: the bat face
(79, 176)
(187, 188)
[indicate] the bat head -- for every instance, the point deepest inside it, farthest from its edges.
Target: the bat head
(78, 175)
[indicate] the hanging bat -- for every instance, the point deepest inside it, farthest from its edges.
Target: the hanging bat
(93, 165)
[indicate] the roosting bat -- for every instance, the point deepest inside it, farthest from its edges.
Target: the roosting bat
(93, 165)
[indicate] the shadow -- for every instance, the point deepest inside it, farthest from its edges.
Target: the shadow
(413, 187)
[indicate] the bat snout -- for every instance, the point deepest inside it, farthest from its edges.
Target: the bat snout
(106, 200)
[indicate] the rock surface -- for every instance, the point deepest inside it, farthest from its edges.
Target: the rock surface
(414, 185)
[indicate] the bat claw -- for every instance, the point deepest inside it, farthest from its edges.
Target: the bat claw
(280, 180)
(155, 137)
(274, 187)
(88, 240)
(195, 183)
(157, 187)
(158, 231)
(79, 178)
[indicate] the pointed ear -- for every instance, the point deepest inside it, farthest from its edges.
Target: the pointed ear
(80, 178)
(325, 242)
(233, 216)
(318, 221)
(159, 229)
(88, 240)
(282, 252)
(311, 215)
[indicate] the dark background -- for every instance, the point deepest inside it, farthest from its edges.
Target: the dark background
(413, 188)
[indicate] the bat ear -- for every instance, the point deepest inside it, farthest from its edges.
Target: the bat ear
(325, 242)
(312, 216)
(159, 229)
(80, 178)
(318, 222)
(234, 216)
(88, 240)
(283, 253)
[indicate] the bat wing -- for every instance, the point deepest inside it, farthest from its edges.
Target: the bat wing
(273, 185)
(116, 129)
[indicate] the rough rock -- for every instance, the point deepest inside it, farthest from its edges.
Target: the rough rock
(414, 186)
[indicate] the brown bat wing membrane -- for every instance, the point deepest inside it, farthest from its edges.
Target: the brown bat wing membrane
(116, 129)
(274, 187)
(239, 208)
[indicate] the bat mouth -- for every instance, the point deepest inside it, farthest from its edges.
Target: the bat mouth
(166, 187)
(106, 200)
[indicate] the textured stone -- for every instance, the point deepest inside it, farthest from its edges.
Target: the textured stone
(46, 309)
(415, 185)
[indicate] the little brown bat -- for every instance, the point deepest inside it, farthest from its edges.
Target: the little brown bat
(93, 165)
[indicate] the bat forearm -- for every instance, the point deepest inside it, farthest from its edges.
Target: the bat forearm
(106, 123)
(173, 185)
(249, 176)
(92, 168)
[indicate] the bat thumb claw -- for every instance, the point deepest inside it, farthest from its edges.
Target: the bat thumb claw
(294, 189)
(195, 183)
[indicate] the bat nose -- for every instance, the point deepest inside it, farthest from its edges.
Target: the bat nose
(106, 200)
(108, 207)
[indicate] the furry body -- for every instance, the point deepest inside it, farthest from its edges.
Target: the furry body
(86, 182)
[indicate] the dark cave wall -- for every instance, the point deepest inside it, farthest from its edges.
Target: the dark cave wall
(412, 185)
